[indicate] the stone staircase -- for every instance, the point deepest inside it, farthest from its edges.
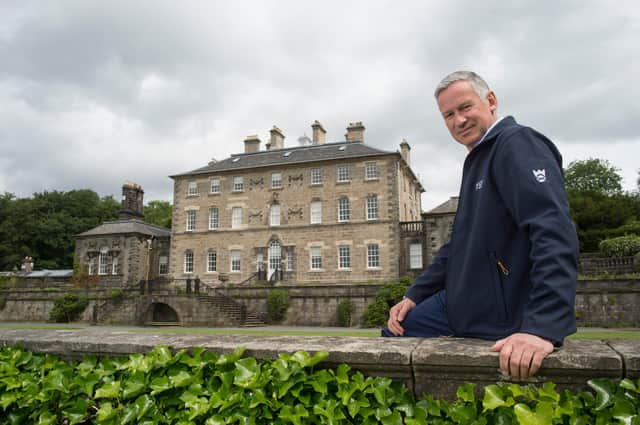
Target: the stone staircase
(236, 312)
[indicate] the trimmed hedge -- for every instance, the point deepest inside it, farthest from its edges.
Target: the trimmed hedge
(377, 313)
(623, 246)
(201, 387)
(277, 305)
(67, 308)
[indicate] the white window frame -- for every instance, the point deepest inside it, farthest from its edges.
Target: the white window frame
(236, 217)
(190, 219)
(344, 257)
(214, 218)
(192, 188)
(371, 171)
(215, 185)
(373, 256)
(276, 180)
(315, 258)
(343, 174)
(235, 259)
(212, 261)
(163, 264)
(289, 263)
(259, 261)
(315, 212)
(189, 263)
(93, 266)
(373, 212)
(415, 256)
(274, 215)
(103, 262)
(344, 210)
(238, 184)
(316, 175)
(114, 265)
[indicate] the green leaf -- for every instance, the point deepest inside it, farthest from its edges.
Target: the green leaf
(604, 392)
(143, 403)
(181, 379)
(466, 392)
(134, 385)
(542, 415)
(215, 420)
(161, 356)
(393, 419)
(247, 373)
(159, 385)
(106, 412)
(47, 418)
(108, 390)
(342, 374)
(628, 384)
(493, 398)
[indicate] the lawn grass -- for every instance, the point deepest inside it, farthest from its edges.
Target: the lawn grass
(598, 333)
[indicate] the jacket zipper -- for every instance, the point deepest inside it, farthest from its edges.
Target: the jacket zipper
(500, 264)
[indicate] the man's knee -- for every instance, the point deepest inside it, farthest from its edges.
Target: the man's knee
(386, 332)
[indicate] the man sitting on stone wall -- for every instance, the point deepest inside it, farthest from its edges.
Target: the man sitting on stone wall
(508, 272)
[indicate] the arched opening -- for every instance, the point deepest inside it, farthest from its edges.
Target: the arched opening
(164, 313)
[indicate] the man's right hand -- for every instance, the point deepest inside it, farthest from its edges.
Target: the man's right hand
(397, 314)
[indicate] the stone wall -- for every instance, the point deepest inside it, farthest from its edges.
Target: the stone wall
(428, 366)
(612, 303)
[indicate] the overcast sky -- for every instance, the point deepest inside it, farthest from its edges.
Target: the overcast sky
(95, 93)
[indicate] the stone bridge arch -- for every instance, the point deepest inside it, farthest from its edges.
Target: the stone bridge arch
(161, 312)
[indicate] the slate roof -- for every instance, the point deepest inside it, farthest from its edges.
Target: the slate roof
(127, 226)
(447, 207)
(292, 155)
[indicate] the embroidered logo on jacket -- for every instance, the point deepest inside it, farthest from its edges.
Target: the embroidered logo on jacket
(479, 184)
(540, 175)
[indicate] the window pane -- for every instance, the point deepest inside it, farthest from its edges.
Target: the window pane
(316, 258)
(316, 175)
(163, 264)
(192, 188)
(236, 217)
(415, 256)
(103, 262)
(372, 207)
(343, 209)
(215, 185)
(235, 260)
(213, 218)
(316, 212)
(344, 257)
(188, 262)
(212, 261)
(191, 220)
(343, 173)
(238, 184)
(371, 171)
(373, 255)
(276, 179)
(275, 215)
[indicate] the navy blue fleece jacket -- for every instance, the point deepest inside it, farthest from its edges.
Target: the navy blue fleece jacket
(510, 265)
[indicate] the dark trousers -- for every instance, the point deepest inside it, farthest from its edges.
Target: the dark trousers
(427, 320)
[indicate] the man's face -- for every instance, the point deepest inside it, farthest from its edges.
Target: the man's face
(466, 115)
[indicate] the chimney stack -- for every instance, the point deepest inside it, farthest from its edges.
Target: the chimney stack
(405, 150)
(319, 133)
(355, 132)
(132, 197)
(277, 138)
(252, 144)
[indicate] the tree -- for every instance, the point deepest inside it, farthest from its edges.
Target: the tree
(44, 226)
(158, 213)
(594, 176)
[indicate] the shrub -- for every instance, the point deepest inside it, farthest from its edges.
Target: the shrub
(3, 302)
(345, 308)
(623, 246)
(277, 304)
(377, 312)
(67, 308)
(115, 294)
(201, 387)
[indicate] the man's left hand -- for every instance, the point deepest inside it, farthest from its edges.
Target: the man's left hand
(521, 354)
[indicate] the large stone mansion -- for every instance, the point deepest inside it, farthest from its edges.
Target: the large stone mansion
(317, 212)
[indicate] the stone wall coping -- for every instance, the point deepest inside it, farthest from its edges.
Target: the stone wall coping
(435, 366)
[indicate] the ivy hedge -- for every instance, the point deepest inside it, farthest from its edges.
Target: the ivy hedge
(201, 387)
